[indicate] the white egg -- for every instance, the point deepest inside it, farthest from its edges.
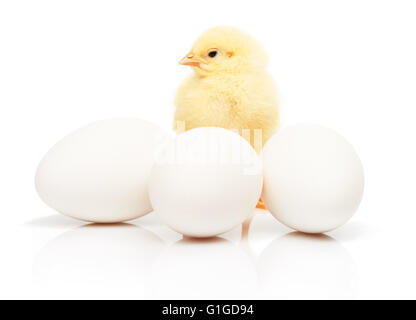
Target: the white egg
(206, 182)
(100, 173)
(313, 178)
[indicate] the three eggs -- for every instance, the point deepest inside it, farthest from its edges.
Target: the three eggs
(203, 182)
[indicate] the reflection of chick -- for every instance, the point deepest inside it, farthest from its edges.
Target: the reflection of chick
(230, 87)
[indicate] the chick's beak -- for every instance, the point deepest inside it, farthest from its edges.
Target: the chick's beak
(190, 60)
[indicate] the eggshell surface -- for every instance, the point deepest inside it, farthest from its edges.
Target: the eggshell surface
(313, 178)
(100, 172)
(206, 182)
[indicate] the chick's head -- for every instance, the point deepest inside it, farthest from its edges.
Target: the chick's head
(225, 50)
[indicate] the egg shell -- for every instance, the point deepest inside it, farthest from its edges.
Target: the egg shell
(313, 178)
(100, 173)
(206, 182)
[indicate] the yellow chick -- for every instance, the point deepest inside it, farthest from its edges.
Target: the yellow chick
(230, 87)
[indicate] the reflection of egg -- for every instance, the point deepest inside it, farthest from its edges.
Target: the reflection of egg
(100, 172)
(204, 269)
(300, 266)
(313, 179)
(96, 257)
(206, 182)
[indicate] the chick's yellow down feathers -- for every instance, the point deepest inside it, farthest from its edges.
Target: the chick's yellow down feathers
(230, 87)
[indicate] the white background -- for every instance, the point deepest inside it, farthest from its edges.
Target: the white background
(350, 65)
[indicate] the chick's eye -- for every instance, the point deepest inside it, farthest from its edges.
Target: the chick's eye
(212, 54)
